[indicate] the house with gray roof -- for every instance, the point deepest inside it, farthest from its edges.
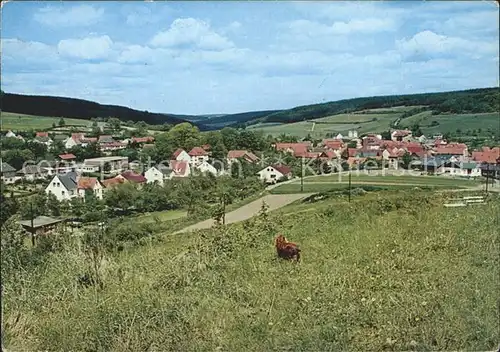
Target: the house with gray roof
(32, 172)
(7, 173)
(71, 185)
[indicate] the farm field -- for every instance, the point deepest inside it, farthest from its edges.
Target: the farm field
(392, 272)
(20, 122)
(335, 124)
(452, 122)
(379, 120)
(391, 178)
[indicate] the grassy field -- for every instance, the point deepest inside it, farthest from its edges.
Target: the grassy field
(20, 122)
(391, 182)
(377, 178)
(379, 120)
(452, 122)
(162, 216)
(388, 272)
(325, 187)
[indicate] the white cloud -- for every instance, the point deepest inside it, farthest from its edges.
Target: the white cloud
(368, 25)
(87, 48)
(428, 43)
(349, 10)
(190, 31)
(81, 15)
(21, 51)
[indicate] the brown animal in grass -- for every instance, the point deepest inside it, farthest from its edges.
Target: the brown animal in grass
(285, 249)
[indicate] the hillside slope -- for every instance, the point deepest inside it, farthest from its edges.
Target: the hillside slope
(466, 101)
(82, 109)
(392, 271)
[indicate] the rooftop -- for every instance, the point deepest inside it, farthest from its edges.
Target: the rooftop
(40, 221)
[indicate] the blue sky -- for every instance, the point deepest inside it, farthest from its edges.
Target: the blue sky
(227, 57)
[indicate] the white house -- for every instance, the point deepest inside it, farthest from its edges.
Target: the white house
(7, 173)
(464, 169)
(10, 134)
(73, 140)
(198, 155)
(339, 136)
(352, 134)
(273, 173)
(206, 167)
(113, 164)
(181, 155)
(70, 185)
(158, 173)
(401, 135)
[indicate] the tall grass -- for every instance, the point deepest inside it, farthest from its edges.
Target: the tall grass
(384, 272)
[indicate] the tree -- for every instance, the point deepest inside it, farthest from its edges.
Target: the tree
(229, 137)
(386, 135)
(122, 196)
(106, 167)
(8, 205)
(352, 144)
(53, 205)
(62, 122)
(12, 246)
(406, 160)
(114, 123)
(16, 158)
(184, 135)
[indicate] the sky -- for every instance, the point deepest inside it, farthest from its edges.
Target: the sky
(228, 57)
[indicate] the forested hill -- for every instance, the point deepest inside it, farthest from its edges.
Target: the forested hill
(466, 101)
(82, 109)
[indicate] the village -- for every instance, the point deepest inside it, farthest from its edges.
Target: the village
(66, 178)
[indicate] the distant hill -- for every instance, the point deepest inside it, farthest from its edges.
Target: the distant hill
(234, 120)
(456, 102)
(484, 100)
(83, 109)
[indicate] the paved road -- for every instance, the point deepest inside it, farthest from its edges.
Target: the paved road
(274, 201)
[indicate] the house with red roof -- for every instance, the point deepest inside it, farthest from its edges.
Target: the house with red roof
(294, 148)
(333, 144)
(42, 134)
(234, 155)
(372, 141)
(71, 185)
(275, 173)
(198, 155)
(109, 147)
(89, 184)
(181, 155)
(451, 149)
(67, 157)
(486, 155)
(131, 176)
(142, 140)
(112, 182)
(180, 168)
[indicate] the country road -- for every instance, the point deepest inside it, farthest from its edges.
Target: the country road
(274, 201)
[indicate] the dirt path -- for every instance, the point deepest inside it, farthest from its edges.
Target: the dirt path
(274, 201)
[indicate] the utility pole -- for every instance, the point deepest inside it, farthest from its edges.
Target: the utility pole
(32, 227)
(302, 174)
(223, 208)
(487, 176)
(349, 186)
